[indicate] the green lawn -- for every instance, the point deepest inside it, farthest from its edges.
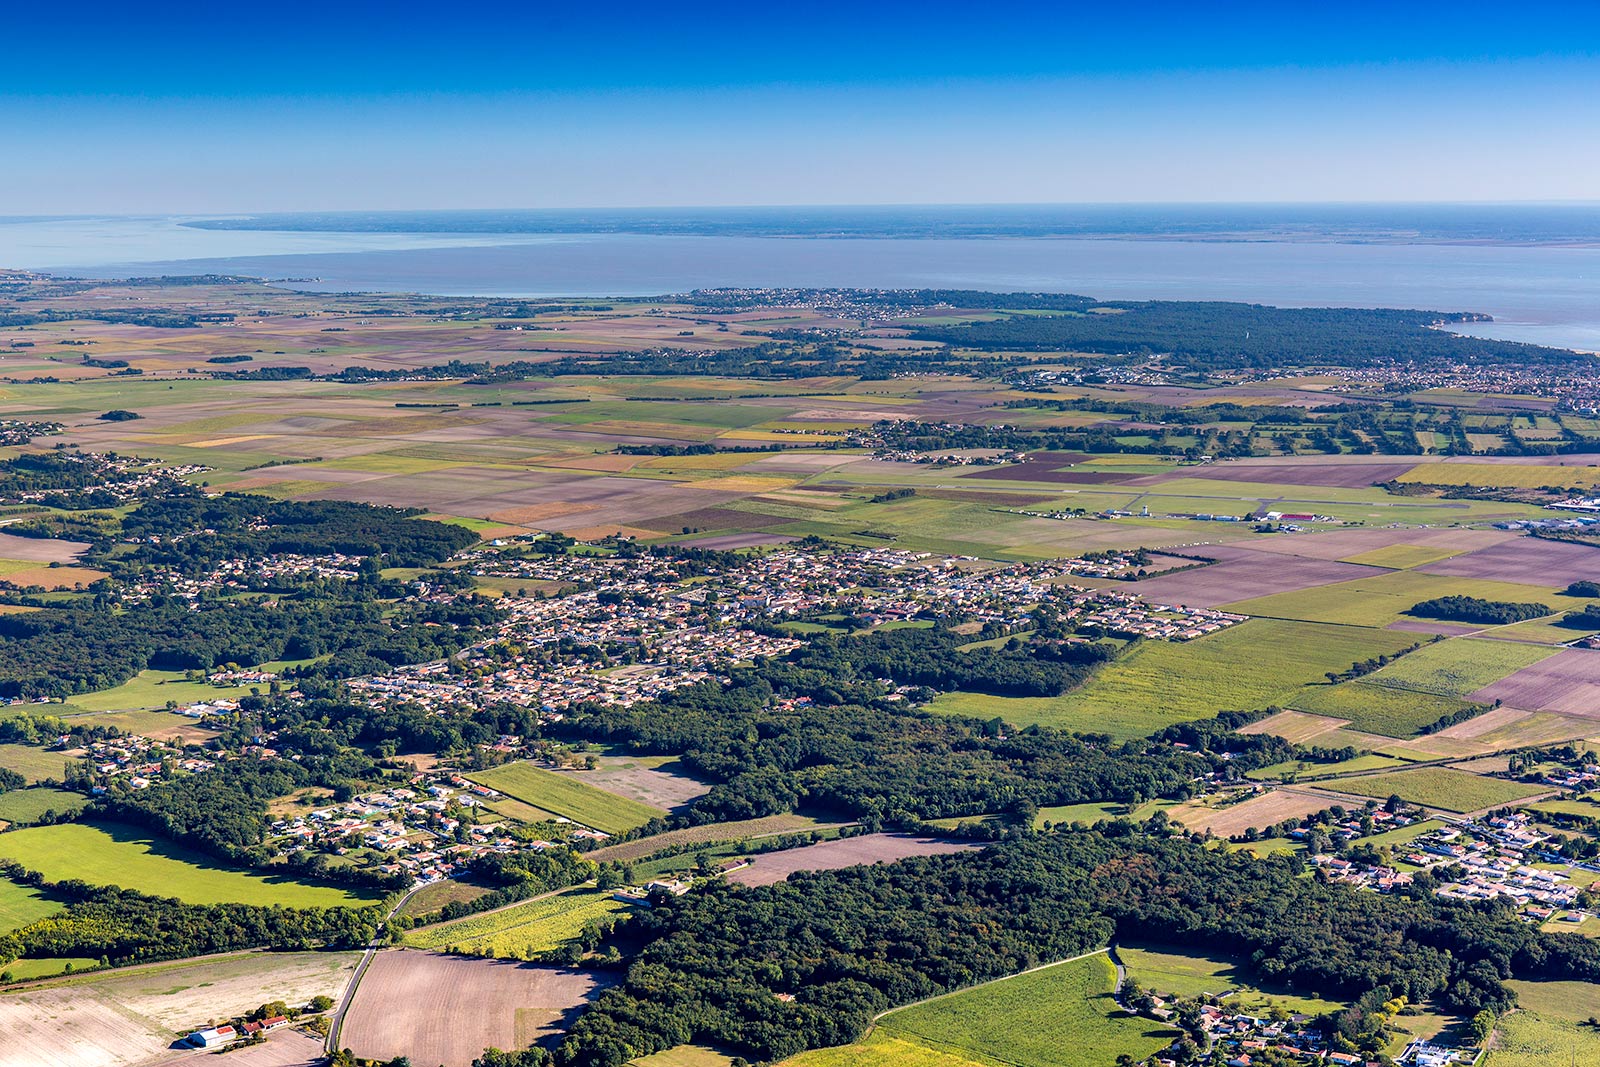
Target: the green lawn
(23, 904)
(111, 854)
(1256, 664)
(1458, 666)
(566, 795)
(1440, 787)
(1194, 973)
(24, 806)
(1062, 1016)
(512, 933)
(1378, 709)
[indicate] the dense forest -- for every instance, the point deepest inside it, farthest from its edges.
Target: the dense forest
(771, 971)
(1213, 335)
(1478, 610)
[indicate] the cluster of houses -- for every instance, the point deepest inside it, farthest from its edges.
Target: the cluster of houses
(227, 1034)
(1246, 1040)
(124, 477)
(236, 575)
(135, 760)
(1126, 615)
(1496, 856)
(418, 829)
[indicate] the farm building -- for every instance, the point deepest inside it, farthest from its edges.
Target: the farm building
(212, 1038)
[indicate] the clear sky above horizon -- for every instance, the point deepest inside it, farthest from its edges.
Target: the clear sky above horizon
(201, 108)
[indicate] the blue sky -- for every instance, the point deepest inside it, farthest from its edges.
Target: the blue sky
(184, 107)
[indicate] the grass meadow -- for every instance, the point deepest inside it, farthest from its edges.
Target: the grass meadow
(23, 904)
(25, 806)
(878, 1049)
(1061, 1016)
(111, 854)
(1382, 599)
(566, 796)
(1256, 664)
(1192, 974)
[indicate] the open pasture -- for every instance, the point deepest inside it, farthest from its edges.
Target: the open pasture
(1256, 664)
(446, 1010)
(1539, 1039)
(112, 854)
(1194, 973)
(563, 793)
(878, 1049)
(1440, 787)
(23, 904)
(1458, 667)
(1271, 807)
(1567, 682)
(25, 806)
(1526, 560)
(772, 867)
(1059, 1016)
(34, 762)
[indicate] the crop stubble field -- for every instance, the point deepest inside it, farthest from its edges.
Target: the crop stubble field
(472, 1004)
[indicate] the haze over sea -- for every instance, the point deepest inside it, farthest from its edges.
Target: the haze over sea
(1535, 268)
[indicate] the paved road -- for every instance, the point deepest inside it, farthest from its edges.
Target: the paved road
(337, 1022)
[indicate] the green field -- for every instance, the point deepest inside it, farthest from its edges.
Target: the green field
(1305, 769)
(1532, 1039)
(1192, 974)
(1381, 599)
(1061, 1016)
(153, 689)
(1259, 663)
(110, 854)
(564, 795)
(23, 904)
(33, 762)
(1402, 557)
(879, 1049)
(430, 898)
(1457, 667)
(1378, 709)
(537, 926)
(685, 1056)
(24, 806)
(1440, 787)
(27, 970)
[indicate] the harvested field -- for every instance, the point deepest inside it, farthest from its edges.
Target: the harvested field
(719, 519)
(444, 1010)
(1291, 472)
(40, 549)
(1501, 475)
(1489, 721)
(1567, 682)
(773, 867)
(654, 780)
(1264, 810)
(1402, 557)
(1294, 726)
(732, 541)
(996, 497)
(709, 833)
(130, 1016)
(1245, 577)
(1029, 471)
(1343, 543)
(1528, 560)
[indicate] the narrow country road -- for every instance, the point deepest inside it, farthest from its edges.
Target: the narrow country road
(337, 1022)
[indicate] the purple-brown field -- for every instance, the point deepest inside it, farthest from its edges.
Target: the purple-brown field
(1244, 575)
(1568, 682)
(1527, 560)
(774, 867)
(1344, 543)
(446, 1010)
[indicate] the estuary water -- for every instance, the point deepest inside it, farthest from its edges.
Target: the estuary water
(1544, 290)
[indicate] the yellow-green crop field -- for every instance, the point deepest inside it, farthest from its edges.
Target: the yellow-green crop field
(522, 930)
